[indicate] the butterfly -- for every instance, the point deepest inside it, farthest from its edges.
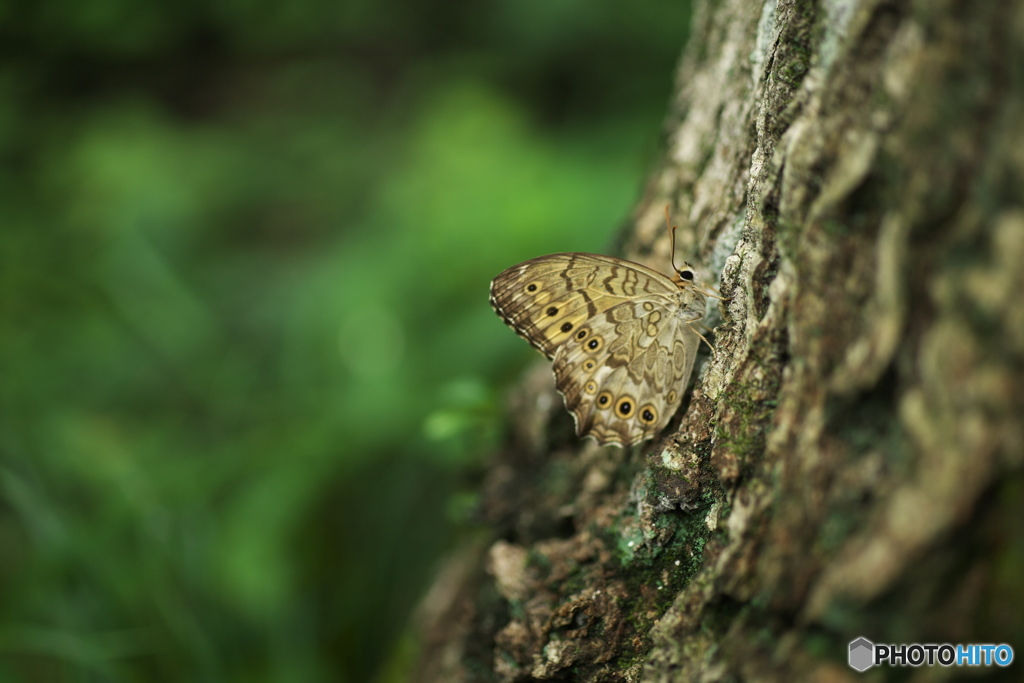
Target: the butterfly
(620, 337)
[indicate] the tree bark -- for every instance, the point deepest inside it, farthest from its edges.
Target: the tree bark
(850, 460)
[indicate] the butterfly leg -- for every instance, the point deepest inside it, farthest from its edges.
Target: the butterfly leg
(695, 320)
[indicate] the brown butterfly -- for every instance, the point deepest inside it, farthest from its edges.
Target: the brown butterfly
(620, 336)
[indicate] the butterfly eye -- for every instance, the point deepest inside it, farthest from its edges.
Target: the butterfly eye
(604, 400)
(624, 407)
(671, 398)
(532, 287)
(648, 414)
(590, 387)
(552, 310)
(566, 327)
(594, 344)
(582, 333)
(686, 274)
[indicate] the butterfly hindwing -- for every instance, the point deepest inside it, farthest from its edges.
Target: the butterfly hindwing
(625, 388)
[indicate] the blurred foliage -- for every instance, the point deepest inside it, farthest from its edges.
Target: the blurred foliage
(247, 356)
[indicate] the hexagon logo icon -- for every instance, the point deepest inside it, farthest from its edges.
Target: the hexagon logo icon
(862, 654)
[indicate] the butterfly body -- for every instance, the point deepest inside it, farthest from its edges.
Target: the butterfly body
(618, 333)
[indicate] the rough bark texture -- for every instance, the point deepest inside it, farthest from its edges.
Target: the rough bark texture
(850, 461)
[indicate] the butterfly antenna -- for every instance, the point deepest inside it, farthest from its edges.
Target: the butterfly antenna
(672, 239)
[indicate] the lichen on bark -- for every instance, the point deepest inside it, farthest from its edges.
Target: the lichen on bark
(850, 460)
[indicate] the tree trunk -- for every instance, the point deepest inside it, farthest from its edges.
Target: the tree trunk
(850, 460)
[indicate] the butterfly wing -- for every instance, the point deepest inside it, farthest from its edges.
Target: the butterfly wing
(618, 333)
(625, 386)
(546, 298)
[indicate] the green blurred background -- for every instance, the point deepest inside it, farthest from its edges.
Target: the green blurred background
(248, 365)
